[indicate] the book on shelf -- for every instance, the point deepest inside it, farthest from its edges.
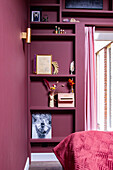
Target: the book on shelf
(34, 64)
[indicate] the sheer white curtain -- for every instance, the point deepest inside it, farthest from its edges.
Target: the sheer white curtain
(90, 81)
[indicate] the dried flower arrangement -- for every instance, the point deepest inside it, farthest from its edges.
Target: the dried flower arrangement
(52, 89)
(71, 83)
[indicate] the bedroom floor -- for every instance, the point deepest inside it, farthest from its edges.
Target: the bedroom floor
(45, 165)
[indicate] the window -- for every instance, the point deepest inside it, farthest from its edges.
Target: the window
(104, 70)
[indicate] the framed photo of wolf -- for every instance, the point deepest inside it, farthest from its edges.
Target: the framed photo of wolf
(41, 126)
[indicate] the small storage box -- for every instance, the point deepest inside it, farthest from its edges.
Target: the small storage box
(66, 100)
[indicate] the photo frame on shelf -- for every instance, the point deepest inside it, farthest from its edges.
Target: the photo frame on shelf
(84, 4)
(41, 126)
(44, 64)
(36, 16)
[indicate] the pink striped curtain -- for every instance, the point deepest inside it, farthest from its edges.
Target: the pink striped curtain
(90, 80)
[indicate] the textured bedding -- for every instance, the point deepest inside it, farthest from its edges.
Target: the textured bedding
(87, 150)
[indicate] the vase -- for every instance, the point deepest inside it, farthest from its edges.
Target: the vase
(72, 90)
(51, 99)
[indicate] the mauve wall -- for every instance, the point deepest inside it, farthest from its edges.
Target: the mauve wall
(13, 83)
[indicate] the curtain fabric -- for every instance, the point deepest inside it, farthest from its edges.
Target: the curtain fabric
(90, 81)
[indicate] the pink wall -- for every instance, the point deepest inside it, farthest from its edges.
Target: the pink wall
(13, 83)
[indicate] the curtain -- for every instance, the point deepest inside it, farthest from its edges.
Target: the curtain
(90, 81)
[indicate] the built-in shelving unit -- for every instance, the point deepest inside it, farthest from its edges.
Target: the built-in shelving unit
(64, 49)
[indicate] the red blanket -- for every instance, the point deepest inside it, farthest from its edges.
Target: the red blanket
(87, 150)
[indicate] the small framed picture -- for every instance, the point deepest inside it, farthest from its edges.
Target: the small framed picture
(41, 126)
(44, 64)
(36, 15)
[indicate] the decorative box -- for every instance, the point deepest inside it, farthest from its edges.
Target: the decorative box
(66, 100)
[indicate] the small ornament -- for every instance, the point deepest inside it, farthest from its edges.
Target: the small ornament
(71, 83)
(56, 30)
(56, 67)
(65, 20)
(61, 31)
(45, 18)
(73, 20)
(72, 67)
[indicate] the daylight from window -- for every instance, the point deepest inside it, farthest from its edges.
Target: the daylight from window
(104, 76)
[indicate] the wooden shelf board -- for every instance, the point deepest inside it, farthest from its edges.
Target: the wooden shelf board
(41, 149)
(44, 5)
(50, 108)
(53, 35)
(86, 11)
(52, 140)
(54, 23)
(62, 75)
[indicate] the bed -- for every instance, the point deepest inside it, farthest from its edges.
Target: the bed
(86, 150)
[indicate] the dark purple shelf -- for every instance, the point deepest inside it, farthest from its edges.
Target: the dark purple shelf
(53, 35)
(39, 149)
(52, 23)
(50, 108)
(36, 75)
(44, 5)
(86, 13)
(53, 139)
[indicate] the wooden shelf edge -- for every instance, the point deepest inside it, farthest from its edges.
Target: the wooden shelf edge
(44, 5)
(52, 140)
(52, 23)
(62, 75)
(54, 35)
(86, 11)
(51, 108)
(39, 149)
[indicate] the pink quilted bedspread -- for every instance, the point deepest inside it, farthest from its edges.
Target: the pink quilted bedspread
(87, 150)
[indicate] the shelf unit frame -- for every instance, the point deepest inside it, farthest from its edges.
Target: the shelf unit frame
(77, 36)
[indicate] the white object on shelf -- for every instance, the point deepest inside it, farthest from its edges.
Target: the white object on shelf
(72, 67)
(51, 98)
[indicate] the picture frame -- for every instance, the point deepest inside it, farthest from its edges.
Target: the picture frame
(41, 126)
(84, 4)
(44, 64)
(36, 16)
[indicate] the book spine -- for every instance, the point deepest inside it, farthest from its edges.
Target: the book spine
(34, 64)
